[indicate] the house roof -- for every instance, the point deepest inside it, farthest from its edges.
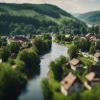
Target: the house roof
(90, 34)
(97, 54)
(22, 38)
(74, 61)
(93, 38)
(90, 76)
(68, 81)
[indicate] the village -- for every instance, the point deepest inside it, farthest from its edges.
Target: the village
(82, 69)
(49, 49)
(73, 82)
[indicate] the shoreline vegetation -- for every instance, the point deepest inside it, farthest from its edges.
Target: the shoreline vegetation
(79, 48)
(19, 65)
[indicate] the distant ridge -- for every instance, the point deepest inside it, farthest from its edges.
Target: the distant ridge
(90, 17)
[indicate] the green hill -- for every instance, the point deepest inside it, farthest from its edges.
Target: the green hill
(41, 17)
(90, 17)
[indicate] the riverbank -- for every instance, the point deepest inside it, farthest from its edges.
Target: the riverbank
(76, 77)
(21, 62)
(33, 88)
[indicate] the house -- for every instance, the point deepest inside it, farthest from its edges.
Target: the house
(90, 76)
(71, 84)
(75, 64)
(92, 79)
(91, 36)
(97, 56)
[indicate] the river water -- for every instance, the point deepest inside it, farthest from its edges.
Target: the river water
(33, 89)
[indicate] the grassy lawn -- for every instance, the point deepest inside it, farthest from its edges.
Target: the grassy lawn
(87, 61)
(68, 44)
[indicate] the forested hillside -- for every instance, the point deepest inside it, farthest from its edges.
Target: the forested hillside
(37, 18)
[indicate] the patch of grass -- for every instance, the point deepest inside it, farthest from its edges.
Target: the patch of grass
(87, 61)
(55, 87)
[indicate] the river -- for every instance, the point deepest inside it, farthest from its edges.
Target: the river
(33, 89)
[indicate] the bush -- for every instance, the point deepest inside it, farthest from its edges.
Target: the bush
(47, 92)
(42, 45)
(11, 82)
(98, 45)
(73, 51)
(82, 44)
(92, 49)
(11, 61)
(30, 58)
(57, 67)
(5, 53)
(14, 47)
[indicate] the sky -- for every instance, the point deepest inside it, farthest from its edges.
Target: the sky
(72, 6)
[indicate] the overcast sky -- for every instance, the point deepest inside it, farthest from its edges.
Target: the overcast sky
(73, 6)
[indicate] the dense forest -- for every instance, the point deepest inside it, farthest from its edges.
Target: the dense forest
(37, 18)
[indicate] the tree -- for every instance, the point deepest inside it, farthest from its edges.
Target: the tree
(73, 51)
(30, 58)
(46, 37)
(10, 80)
(5, 53)
(15, 47)
(92, 49)
(83, 44)
(57, 67)
(41, 45)
(29, 29)
(83, 30)
(98, 45)
(3, 41)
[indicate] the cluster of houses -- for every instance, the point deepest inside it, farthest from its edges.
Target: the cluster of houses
(72, 83)
(90, 36)
(22, 39)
